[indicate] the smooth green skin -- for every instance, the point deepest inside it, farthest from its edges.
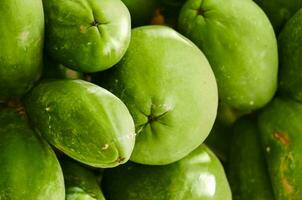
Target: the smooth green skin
(21, 42)
(83, 120)
(87, 35)
(239, 42)
(290, 51)
(281, 136)
(53, 70)
(29, 168)
(279, 11)
(247, 170)
(141, 11)
(80, 183)
(170, 90)
(199, 176)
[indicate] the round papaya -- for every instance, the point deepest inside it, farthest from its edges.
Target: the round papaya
(240, 44)
(29, 167)
(86, 35)
(83, 120)
(198, 176)
(169, 88)
(21, 42)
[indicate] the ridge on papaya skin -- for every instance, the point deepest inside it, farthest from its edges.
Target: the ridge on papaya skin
(169, 88)
(86, 35)
(83, 120)
(243, 54)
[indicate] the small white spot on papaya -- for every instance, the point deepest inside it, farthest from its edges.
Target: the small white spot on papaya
(105, 147)
(47, 109)
(268, 149)
(24, 36)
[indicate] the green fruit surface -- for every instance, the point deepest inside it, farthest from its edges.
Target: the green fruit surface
(247, 171)
(29, 168)
(21, 42)
(239, 42)
(141, 11)
(80, 183)
(83, 120)
(170, 90)
(198, 176)
(87, 35)
(281, 136)
(290, 51)
(279, 11)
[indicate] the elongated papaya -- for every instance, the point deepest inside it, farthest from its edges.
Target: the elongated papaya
(198, 176)
(80, 183)
(83, 120)
(281, 136)
(170, 90)
(240, 44)
(29, 168)
(290, 51)
(21, 42)
(247, 169)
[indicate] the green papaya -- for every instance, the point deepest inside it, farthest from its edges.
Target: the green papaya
(86, 35)
(240, 44)
(53, 70)
(290, 51)
(141, 11)
(170, 90)
(247, 170)
(198, 176)
(83, 120)
(21, 42)
(279, 11)
(80, 183)
(281, 136)
(29, 168)
(265, 159)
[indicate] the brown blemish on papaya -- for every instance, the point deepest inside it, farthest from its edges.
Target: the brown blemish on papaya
(282, 137)
(286, 185)
(83, 29)
(120, 159)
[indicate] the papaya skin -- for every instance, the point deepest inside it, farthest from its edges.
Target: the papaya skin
(86, 35)
(290, 51)
(240, 44)
(247, 169)
(80, 183)
(83, 120)
(169, 89)
(199, 175)
(281, 136)
(29, 167)
(21, 41)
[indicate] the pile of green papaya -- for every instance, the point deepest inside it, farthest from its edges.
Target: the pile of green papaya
(150, 100)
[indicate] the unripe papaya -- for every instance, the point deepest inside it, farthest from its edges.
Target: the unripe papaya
(170, 90)
(240, 44)
(198, 176)
(80, 183)
(86, 35)
(21, 42)
(29, 167)
(83, 120)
